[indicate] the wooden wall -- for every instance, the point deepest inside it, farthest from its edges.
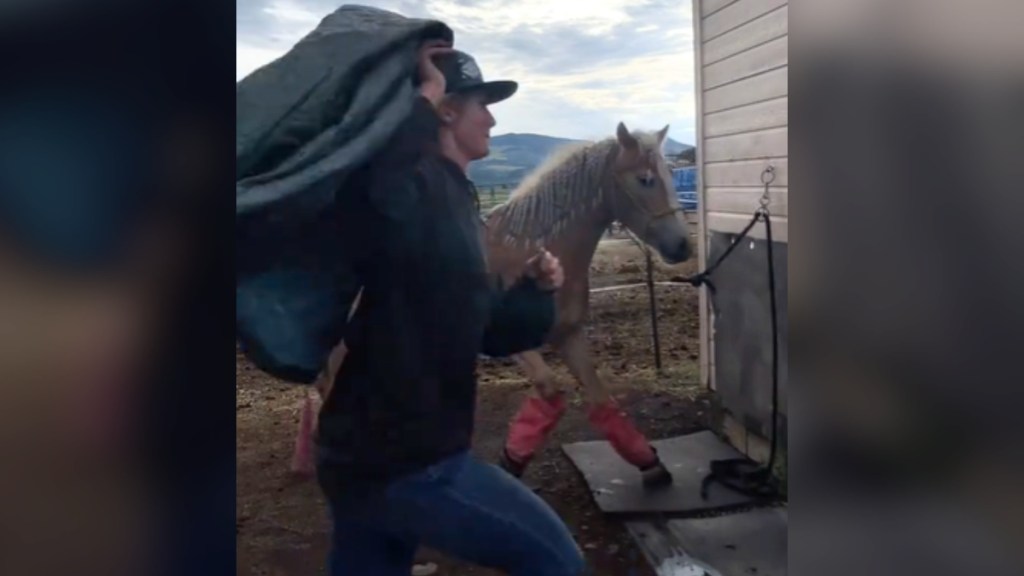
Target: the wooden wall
(741, 47)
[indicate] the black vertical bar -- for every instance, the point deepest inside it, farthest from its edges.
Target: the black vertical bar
(654, 311)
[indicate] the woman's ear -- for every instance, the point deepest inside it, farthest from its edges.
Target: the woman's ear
(448, 110)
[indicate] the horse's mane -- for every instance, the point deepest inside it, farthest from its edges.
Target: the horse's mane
(563, 188)
(558, 191)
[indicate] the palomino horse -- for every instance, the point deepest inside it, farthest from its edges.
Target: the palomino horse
(565, 206)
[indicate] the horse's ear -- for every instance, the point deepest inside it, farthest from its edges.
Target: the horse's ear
(662, 134)
(625, 138)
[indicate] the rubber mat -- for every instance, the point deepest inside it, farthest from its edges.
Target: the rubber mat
(617, 488)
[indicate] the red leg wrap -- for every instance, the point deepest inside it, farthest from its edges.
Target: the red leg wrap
(536, 418)
(627, 441)
(302, 458)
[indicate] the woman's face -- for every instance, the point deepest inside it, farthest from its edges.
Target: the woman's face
(471, 127)
(74, 347)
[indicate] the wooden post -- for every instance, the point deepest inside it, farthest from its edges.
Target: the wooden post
(651, 298)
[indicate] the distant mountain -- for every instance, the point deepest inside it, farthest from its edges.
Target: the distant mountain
(515, 155)
(673, 148)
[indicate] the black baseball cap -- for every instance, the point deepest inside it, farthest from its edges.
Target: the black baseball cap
(462, 76)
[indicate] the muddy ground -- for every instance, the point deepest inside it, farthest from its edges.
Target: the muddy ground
(282, 525)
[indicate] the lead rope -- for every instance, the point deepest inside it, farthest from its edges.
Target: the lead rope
(742, 474)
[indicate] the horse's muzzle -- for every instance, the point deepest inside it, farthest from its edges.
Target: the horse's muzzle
(677, 253)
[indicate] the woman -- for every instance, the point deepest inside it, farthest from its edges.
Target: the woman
(394, 433)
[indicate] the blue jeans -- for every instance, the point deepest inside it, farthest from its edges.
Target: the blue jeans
(462, 507)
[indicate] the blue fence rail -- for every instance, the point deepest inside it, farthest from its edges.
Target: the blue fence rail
(685, 182)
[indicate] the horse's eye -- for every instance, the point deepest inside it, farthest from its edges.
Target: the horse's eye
(646, 181)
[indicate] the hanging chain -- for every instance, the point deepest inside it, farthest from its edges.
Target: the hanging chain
(742, 474)
(762, 213)
(767, 177)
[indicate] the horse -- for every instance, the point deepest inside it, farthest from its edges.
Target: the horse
(565, 206)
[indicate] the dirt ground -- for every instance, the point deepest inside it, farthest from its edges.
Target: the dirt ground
(282, 525)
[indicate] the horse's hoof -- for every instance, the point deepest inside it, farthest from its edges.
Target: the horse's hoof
(656, 476)
(509, 465)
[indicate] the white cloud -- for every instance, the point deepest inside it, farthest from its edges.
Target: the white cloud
(287, 22)
(291, 11)
(249, 58)
(582, 65)
(496, 16)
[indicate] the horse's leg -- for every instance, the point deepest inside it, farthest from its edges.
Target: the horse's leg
(303, 463)
(605, 414)
(302, 456)
(537, 415)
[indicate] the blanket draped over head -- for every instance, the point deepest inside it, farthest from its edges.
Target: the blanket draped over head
(304, 122)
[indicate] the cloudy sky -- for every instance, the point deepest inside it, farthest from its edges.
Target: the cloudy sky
(582, 65)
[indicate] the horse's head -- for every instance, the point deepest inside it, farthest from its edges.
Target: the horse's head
(643, 197)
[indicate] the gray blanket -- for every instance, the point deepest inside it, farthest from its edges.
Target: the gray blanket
(304, 122)
(306, 119)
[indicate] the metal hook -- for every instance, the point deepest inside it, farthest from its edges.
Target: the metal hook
(767, 177)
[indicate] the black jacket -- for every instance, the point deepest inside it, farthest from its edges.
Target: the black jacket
(405, 395)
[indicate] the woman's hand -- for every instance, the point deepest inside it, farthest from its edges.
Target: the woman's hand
(546, 270)
(432, 82)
